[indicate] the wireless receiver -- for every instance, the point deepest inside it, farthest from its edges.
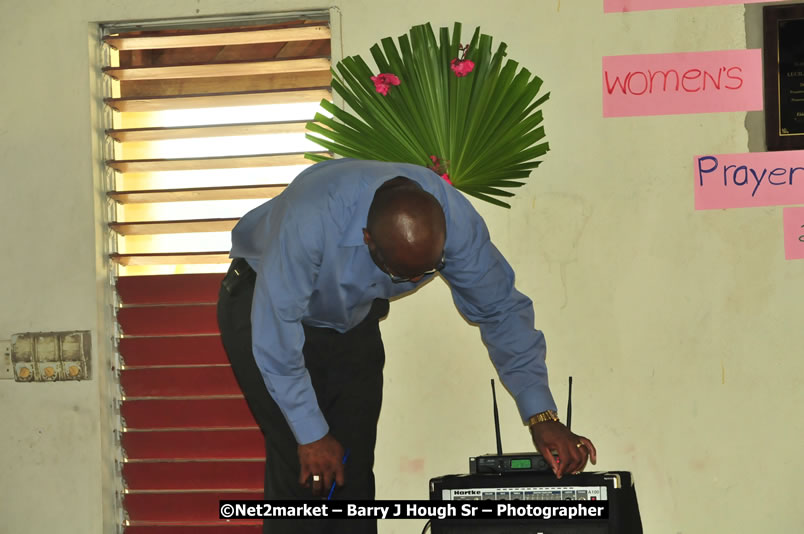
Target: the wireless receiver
(526, 462)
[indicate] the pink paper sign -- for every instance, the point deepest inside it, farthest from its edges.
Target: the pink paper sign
(794, 233)
(622, 6)
(749, 180)
(687, 82)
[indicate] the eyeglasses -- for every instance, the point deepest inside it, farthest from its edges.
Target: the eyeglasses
(402, 279)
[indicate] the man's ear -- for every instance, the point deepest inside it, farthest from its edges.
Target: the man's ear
(366, 237)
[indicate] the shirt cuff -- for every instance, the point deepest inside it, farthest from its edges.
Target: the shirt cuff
(534, 400)
(310, 428)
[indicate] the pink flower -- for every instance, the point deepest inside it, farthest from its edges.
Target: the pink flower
(462, 67)
(437, 168)
(383, 82)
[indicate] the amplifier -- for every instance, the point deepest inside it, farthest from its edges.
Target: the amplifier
(614, 487)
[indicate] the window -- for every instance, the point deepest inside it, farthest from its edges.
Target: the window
(206, 120)
(205, 124)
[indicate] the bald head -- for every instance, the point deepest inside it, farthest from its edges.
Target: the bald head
(406, 228)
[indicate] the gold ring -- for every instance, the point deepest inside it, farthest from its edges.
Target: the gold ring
(579, 445)
(316, 478)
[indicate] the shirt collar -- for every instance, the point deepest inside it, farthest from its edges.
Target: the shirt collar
(353, 234)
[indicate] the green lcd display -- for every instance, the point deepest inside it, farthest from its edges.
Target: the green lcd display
(520, 464)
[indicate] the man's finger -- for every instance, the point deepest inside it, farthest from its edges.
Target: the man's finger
(570, 463)
(591, 448)
(569, 460)
(318, 485)
(328, 478)
(304, 476)
(584, 458)
(549, 458)
(340, 475)
(581, 456)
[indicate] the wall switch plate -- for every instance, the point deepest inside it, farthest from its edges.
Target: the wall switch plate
(51, 356)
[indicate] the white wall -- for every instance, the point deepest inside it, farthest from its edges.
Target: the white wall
(679, 327)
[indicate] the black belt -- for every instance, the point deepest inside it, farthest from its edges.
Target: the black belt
(240, 273)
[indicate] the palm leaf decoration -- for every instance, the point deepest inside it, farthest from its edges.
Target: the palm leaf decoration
(481, 131)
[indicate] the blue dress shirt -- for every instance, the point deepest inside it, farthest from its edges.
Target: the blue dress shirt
(313, 268)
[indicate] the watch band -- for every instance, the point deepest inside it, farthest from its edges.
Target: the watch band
(547, 415)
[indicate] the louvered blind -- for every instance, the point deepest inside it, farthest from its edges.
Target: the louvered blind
(204, 125)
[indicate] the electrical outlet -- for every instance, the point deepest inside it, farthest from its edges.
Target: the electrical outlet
(50, 356)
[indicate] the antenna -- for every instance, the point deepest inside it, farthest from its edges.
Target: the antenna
(496, 419)
(500, 464)
(569, 405)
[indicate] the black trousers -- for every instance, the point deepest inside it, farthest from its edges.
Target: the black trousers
(346, 372)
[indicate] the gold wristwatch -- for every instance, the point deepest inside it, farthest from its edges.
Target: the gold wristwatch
(547, 415)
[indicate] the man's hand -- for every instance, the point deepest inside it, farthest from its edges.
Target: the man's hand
(322, 462)
(573, 450)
